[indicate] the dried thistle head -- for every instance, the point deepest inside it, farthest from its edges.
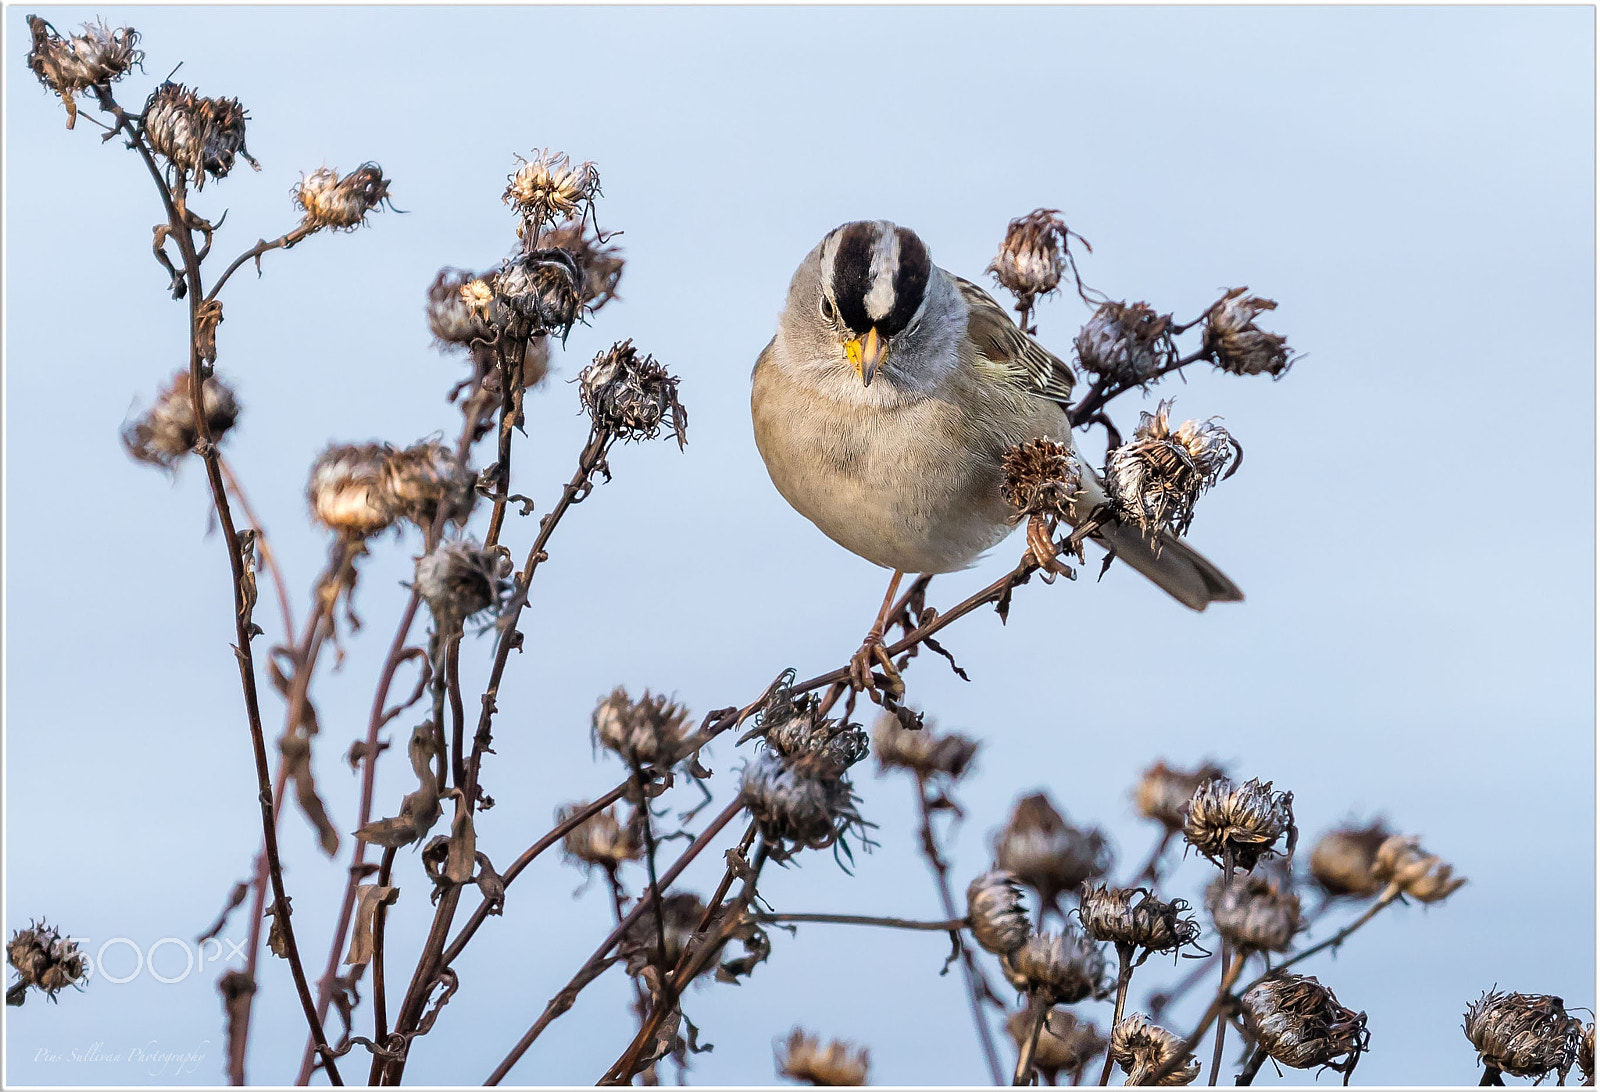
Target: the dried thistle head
(1254, 912)
(166, 432)
(797, 806)
(426, 478)
(69, 66)
(1065, 1042)
(1299, 1022)
(1212, 448)
(1032, 255)
(1063, 967)
(1523, 1034)
(1047, 853)
(199, 136)
(459, 307)
(602, 840)
(44, 960)
(1242, 823)
(1586, 1053)
(1135, 918)
(680, 917)
(647, 732)
(550, 187)
(341, 204)
(1401, 860)
(1126, 343)
(631, 396)
(1164, 792)
(1143, 1049)
(999, 921)
(349, 490)
(803, 1057)
(1041, 478)
(460, 579)
(795, 729)
(923, 751)
(1156, 478)
(1344, 861)
(600, 264)
(541, 289)
(1237, 344)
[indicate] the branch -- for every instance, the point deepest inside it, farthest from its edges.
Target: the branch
(951, 926)
(284, 242)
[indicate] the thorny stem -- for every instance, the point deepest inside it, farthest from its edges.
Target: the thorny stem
(1389, 895)
(597, 962)
(969, 967)
(206, 448)
(1124, 976)
(1038, 1009)
(953, 925)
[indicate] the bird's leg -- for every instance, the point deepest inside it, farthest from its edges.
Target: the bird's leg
(872, 651)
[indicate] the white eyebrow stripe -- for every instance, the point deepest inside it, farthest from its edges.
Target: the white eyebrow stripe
(879, 300)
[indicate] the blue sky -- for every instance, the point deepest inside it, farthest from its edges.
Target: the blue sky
(1413, 527)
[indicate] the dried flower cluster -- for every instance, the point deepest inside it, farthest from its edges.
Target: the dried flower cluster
(1237, 344)
(995, 913)
(1142, 1049)
(548, 188)
(1239, 823)
(630, 397)
(923, 751)
(1065, 1042)
(1127, 344)
(1063, 967)
(647, 732)
(1134, 918)
(601, 840)
(1156, 478)
(796, 787)
(1344, 861)
(838, 1064)
(459, 579)
(45, 961)
(1047, 853)
(69, 66)
(359, 490)
(1254, 912)
(1523, 1034)
(341, 204)
(166, 432)
(601, 265)
(1163, 793)
(541, 291)
(1032, 256)
(1041, 478)
(199, 136)
(1423, 876)
(460, 307)
(1299, 1022)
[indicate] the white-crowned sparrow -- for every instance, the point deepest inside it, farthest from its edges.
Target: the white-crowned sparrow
(887, 399)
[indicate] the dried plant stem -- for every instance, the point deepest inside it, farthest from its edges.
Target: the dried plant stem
(458, 715)
(1159, 1002)
(1149, 873)
(1222, 1025)
(1104, 390)
(951, 926)
(1230, 975)
(976, 988)
(380, 917)
(510, 410)
(1390, 894)
(598, 961)
(1038, 1009)
(1124, 976)
(178, 221)
(238, 1041)
(284, 242)
(268, 557)
(1491, 1075)
(1247, 1075)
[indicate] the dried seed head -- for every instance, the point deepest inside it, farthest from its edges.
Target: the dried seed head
(166, 432)
(1156, 478)
(798, 807)
(1126, 343)
(1042, 478)
(601, 840)
(1400, 860)
(1235, 341)
(1065, 1042)
(460, 305)
(629, 396)
(1163, 793)
(1586, 1053)
(1254, 912)
(994, 906)
(349, 490)
(460, 579)
(426, 478)
(923, 751)
(795, 729)
(548, 188)
(1032, 259)
(1344, 861)
(542, 290)
(1244, 821)
(647, 732)
(342, 204)
(1299, 1022)
(1065, 967)
(1134, 917)
(44, 960)
(68, 66)
(680, 916)
(1523, 1034)
(1143, 1049)
(804, 1058)
(1046, 853)
(600, 264)
(200, 137)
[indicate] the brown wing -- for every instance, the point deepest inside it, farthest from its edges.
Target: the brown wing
(1003, 344)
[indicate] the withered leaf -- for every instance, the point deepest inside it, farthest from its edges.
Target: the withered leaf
(297, 764)
(237, 988)
(368, 898)
(463, 842)
(206, 319)
(235, 897)
(359, 752)
(491, 885)
(247, 581)
(423, 749)
(277, 935)
(419, 811)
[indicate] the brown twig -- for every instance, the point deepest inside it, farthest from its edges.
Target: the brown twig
(953, 925)
(1124, 976)
(285, 241)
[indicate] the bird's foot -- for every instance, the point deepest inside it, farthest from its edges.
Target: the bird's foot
(1045, 550)
(872, 653)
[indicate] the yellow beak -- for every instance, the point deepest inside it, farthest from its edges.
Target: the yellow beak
(866, 353)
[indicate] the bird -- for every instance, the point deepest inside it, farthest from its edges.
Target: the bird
(883, 407)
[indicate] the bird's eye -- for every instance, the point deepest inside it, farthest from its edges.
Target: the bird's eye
(827, 308)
